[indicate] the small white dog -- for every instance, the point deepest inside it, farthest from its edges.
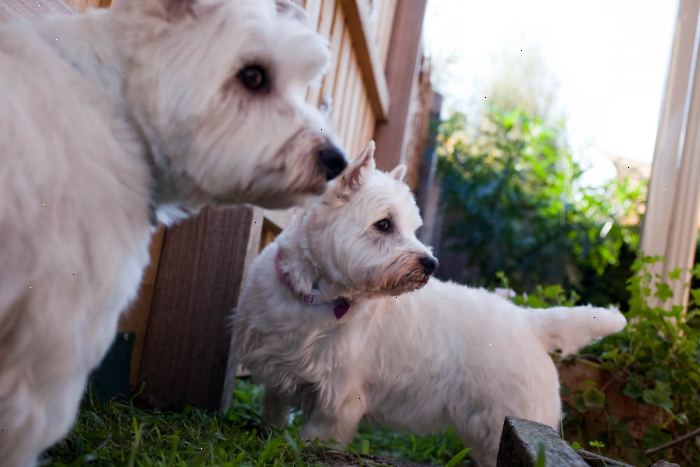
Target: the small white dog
(106, 121)
(321, 324)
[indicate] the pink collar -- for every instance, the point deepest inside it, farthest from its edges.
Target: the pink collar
(341, 304)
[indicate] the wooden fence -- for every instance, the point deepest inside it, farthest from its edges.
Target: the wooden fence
(377, 87)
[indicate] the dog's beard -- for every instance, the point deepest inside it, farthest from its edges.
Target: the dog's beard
(410, 282)
(396, 282)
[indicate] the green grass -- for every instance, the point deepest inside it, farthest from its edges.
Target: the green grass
(119, 433)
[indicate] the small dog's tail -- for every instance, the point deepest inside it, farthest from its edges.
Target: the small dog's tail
(569, 329)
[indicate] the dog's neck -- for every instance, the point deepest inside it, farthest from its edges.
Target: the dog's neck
(317, 297)
(297, 269)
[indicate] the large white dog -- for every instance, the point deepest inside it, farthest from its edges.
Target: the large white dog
(321, 323)
(156, 107)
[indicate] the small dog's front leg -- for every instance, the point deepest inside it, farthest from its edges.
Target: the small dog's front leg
(339, 425)
(275, 412)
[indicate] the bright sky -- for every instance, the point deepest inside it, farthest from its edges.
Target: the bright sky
(610, 58)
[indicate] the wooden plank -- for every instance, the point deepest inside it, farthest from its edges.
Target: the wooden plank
(660, 233)
(269, 233)
(335, 45)
(186, 350)
(136, 318)
(683, 229)
(280, 218)
(401, 71)
(367, 56)
(13, 10)
(384, 29)
(419, 125)
(362, 138)
(367, 128)
(313, 9)
(341, 79)
(83, 5)
(358, 106)
(350, 107)
(325, 25)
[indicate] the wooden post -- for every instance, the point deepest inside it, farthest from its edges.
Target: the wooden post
(401, 69)
(683, 230)
(429, 190)
(671, 219)
(186, 350)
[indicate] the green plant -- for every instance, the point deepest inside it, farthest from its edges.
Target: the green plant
(655, 364)
(515, 204)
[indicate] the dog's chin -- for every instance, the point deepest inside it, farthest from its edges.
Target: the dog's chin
(410, 284)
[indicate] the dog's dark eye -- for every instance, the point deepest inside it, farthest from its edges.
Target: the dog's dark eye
(383, 225)
(254, 77)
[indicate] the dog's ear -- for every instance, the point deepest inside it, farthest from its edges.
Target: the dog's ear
(399, 172)
(291, 8)
(354, 175)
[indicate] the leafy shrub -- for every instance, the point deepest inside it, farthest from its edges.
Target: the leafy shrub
(654, 363)
(515, 204)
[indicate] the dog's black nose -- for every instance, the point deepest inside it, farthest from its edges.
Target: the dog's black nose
(429, 264)
(333, 161)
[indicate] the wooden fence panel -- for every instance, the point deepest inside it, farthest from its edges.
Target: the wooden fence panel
(402, 71)
(336, 36)
(186, 350)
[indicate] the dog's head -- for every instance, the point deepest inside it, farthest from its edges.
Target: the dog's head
(362, 232)
(218, 88)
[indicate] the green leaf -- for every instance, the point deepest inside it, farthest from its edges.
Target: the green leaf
(696, 271)
(658, 374)
(541, 460)
(458, 457)
(695, 295)
(365, 446)
(659, 396)
(633, 388)
(593, 398)
(655, 436)
(675, 274)
(663, 291)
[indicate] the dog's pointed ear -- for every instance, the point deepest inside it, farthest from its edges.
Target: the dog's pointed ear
(291, 8)
(354, 175)
(399, 172)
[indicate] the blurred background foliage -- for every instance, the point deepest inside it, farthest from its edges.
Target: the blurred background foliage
(514, 203)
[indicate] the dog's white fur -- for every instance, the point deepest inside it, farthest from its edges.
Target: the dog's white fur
(445, 354)
(107, 118)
